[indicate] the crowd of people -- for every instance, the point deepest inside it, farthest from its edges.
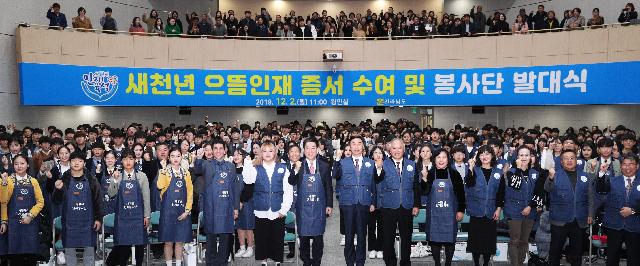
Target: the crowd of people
(246, 180)
(383, 25)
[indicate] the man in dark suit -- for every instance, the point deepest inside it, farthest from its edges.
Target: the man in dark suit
(95, 164)
(400, 201)
(314, 202)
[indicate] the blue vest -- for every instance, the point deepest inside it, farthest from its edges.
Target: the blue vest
(618, 198)
(481, 198)
(269, 195)
(517, 200)
(356, 189)
(397, 190)
(569, 203)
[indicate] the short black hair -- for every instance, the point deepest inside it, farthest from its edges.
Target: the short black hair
(605, 142)
(108, 10)
(55, 5)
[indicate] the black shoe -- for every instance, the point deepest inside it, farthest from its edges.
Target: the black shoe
(291, 255)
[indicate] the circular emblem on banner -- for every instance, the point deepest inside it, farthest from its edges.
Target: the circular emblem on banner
(79, 186)
(129, 185)
(409, 168)
(584, 179)
(496, 175)
(367, 164)
(179, 183)
(280, 170)
(99, 86)
(24, 191)
(441, 184)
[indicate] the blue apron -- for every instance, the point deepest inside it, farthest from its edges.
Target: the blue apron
(173, 205)
(22, 238)
(311, 206)
(77, 216)
(129, 221)
(443, 206)
(218, 202)
(246, 217)
(108, 203)
(154, 196)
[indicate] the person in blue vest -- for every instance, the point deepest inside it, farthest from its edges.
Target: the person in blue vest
(272, 197)
(484, 192)
(132, 213)
(521, 201)
(176, 193)
(219, 201)
(622, 202)
(22, 201)
(400, 201)
(79, 194)
(445, 189)
(104, 176)
(357, 194)
(470, 147)
(571, 207)
(314, 202)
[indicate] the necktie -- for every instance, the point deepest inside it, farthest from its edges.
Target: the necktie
(357, 161)
(312, 169)
(628, 185)
(398, 168)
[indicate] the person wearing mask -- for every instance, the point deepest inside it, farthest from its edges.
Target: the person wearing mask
(357, 194)
(220, 203)
(176, 193)
(571, 207)
(446, 192)
(400, 201)
(132, 212)
(21, 199)
(79, 194)
(484, 191)
(622, 200)
(314, 202)
(628, 13)
(57, 19)
(521, 202)
(273, 196)
(108, 23)
(82, 21)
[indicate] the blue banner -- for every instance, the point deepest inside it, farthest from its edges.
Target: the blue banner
(604, 83)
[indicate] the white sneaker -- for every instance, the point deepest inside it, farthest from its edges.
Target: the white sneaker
(425, 252)
(415, 251)
(372, 254)
(343, 240)
(249, 253)
(379, 254)
(61, 259)
(241, 252)
(230, 258)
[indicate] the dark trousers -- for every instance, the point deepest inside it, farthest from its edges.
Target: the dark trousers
(119, 255)
(615, 239)
(23, 259)
(559, 236)
(269, 236)
(341, 222)
(374, 231)
(291, 245)
(356, 218)
(218, 253)
(311, 254)
(402, 219)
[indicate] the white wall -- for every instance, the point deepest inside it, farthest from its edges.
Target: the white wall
(609, 9)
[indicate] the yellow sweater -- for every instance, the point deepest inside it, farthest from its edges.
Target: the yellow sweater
(6, 191)
(164, 180)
